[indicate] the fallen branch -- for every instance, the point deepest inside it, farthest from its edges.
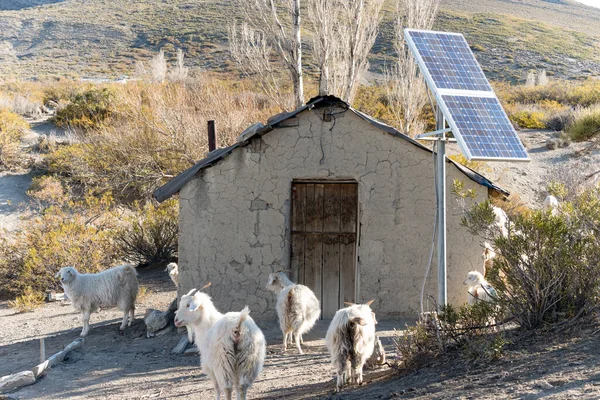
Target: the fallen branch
(57, 358)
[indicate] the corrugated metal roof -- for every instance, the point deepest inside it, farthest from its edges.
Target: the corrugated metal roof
(177, 183)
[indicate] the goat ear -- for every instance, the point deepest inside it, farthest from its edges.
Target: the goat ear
(374, 319)
(370, 302)
(205, 286)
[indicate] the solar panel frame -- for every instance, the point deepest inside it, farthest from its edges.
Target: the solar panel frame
(440, 92)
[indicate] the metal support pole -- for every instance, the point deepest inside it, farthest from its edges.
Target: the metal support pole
(42, 350)
(441, 206)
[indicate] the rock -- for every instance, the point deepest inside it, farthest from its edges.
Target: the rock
(544, 385)
(192, 351)
(164, 331)
(173, 306)
(181, 346)
(551, 144)
(15, 381)
(155, 320)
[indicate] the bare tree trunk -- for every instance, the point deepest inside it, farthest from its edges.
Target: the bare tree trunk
(297, 44)
(406, 89)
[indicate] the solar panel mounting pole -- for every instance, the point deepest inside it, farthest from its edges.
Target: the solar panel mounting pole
(440, 176)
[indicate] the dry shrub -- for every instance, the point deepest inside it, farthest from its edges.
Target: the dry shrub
(150, 234)
(78, 233)
(585, 93)
(86, 109)
(586, 123)
(472, 332)
(28, 301)
(155, 132)
(12, 128)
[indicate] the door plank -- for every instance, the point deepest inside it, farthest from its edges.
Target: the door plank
(347, 269)
(331, 208)
(298, 207)
(349, 207)
(331, 275)
(298, 257)
(319, 195)
(314, 263)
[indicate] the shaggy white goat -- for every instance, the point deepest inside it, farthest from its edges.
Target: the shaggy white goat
(479, 288)
(488, 257)
(297, 308)
(378, 356)
(198, 314)
(233, 353)
(501, 220)
(115, 287)
(350, 340)
(551, 204)
(173, 273)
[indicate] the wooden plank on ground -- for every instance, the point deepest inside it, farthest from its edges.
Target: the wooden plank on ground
(57, 358)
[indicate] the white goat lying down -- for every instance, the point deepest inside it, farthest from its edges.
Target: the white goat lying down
(479, 288)
(550, 204)
(173, 273)
(233, 353)
(297, 308)
(350, 340)
(115, 287)
(197, 313)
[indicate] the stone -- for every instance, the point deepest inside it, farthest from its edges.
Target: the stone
(192, 351)
(155, 320)
(181, 346)
(15, 381)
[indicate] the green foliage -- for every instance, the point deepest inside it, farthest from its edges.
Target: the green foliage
(78, 233)
(558, 190)
(548, 266)
(12, 128)
(586, 124)
(86, 109)
(528, 119)
(150, 234)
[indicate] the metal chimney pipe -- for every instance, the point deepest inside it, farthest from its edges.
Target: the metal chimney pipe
(212, 136)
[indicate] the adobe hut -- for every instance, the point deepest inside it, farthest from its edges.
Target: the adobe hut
(342, 201)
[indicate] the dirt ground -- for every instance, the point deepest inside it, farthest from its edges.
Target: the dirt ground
(110, 366)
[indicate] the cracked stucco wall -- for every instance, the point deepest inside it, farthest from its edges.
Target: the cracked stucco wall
(234, 217)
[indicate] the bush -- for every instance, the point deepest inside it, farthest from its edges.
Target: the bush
(471, 331)
(12, 128)
(150, 234)
(86, 109)
(78, 233)
(28, 301)
(550, 265)
(529, 119)
(586, 123)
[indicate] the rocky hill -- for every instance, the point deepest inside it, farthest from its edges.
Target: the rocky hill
(97, 38)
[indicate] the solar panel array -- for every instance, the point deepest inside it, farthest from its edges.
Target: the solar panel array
(465, 96)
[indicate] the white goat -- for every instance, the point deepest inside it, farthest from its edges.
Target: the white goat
(488, 257)
(115, 287)
(479, 289)
(550, 204)
(501, 220)
(198, 314)
(350, 340)
(233, 353)
(173, 273)
(297, 308)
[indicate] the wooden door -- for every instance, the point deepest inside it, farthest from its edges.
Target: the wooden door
(324, 233)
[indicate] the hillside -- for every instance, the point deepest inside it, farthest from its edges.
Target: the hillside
(106, 37)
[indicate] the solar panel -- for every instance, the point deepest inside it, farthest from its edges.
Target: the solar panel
(466, 98)
(475, 118)
(449, 60)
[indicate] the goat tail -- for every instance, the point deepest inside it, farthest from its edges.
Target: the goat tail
(358, 320)
(238, 327)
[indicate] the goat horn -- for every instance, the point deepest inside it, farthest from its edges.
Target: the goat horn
(205, 286)
(193, 292)
(370, 302)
